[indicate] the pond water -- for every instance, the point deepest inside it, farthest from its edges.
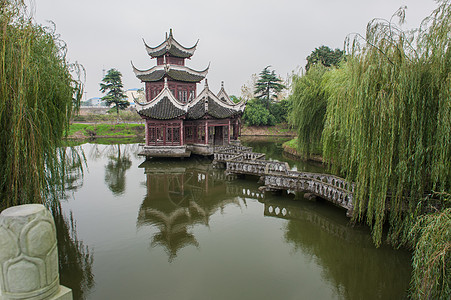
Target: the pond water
(177, 229)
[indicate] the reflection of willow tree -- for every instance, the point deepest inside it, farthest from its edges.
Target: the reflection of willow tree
(349, 260)
(75, 258)
(115, 169)
(75, 161)
(179, 196)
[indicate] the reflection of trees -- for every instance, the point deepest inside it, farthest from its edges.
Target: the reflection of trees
(179, 196)
(75, 162)
(119, 162)
(75, 258)
(348, 258)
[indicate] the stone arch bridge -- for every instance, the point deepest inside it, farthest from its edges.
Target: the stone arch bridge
(277, 175)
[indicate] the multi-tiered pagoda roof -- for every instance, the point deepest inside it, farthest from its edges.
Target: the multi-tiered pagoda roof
(171, 46)
(178, 121)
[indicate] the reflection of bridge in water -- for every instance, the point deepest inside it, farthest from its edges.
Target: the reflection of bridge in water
(278, 176)
(182, 195)
(295, 210)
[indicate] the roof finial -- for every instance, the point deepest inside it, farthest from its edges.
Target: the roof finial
(166, 35)
(222, 84)
(170, 32)
(165, 82)
(206, 83)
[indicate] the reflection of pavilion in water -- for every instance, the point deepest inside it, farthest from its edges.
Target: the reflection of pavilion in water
(183, 194)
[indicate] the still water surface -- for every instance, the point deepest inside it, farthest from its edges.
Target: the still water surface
(179, 230)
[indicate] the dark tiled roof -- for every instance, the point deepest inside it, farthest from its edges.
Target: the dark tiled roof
(163, 110)
(184, 76)
(197, 111)
(214, 109)
(173, 50)
(158, 53)
(178, 52)
(154, 76)
(179, 75)
(218, 111)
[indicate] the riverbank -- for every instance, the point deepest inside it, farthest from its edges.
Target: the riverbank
(276, 130)
(80, 131)
(90, 130)
(290, 148)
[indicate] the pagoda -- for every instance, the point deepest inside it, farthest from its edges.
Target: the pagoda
(178, 120)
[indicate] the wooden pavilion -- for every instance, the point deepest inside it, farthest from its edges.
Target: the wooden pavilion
(178, 121)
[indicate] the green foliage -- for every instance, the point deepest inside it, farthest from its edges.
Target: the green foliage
(37, 96)
(431, 235)
(112, 85)
(388, 128)
(293, 143)
(235, 99)
(279, 110)
(324, 55)
(388, 123)
(309, 109)
(268, 86)
(256, 114)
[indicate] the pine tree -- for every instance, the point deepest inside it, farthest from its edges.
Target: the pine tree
(268, 85)
(112, 85)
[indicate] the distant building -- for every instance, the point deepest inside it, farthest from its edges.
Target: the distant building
(178, 121)
(96, 102)
(134, 95)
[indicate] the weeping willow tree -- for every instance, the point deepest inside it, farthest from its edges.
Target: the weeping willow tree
(309, 109)
(37, 96)
(388, 129)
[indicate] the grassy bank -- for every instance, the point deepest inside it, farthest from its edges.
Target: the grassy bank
(105, 130)
(277, 130)
(291, 147)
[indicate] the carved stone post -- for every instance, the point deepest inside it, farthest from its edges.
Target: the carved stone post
(29, 255)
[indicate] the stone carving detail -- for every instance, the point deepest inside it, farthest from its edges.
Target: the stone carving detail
(28, 253)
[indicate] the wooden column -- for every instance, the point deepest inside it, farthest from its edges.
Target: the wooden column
(147, 132)
(182, 142)
(206, 132)
(228, 135)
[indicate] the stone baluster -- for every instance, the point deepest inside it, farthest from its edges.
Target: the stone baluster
(29, 255)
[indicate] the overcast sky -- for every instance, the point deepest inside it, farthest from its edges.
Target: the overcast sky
(239, 38)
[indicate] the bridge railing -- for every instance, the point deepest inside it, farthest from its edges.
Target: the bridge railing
(329, 179)
(232, 149)
(278, 175)
(279, 167)
(313, 183)
(245, 156)
(253, 156)
(222, 157)
(254, 167)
